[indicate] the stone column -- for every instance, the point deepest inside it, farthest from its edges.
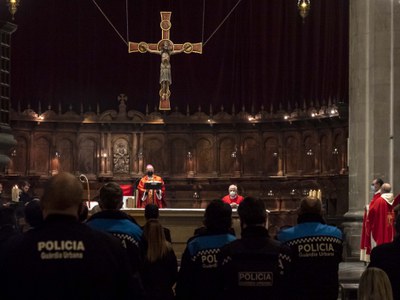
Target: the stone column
(374, 105)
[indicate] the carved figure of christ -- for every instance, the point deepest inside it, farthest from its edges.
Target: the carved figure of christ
(165, 48)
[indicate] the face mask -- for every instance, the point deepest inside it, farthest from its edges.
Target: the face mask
(372, 188)
(232, 194)
(150, 173)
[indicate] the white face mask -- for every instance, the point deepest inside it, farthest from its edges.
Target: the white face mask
(232, 194)
(372, 188)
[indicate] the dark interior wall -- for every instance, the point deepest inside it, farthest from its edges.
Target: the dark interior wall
(64, 51)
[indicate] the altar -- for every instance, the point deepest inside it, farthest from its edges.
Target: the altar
(183, 221)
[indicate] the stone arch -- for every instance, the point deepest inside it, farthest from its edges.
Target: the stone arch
(309, 153)
(271, 156)
(326, 154)
(87, 156)
(178, 159)
(339, 152)
(66, 160)
(41, 159)
(292, 155)
(153, 151)
(204, 156)
(251, 155)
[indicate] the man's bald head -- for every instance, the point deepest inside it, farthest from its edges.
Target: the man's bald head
(310, 205)
(62, 192)
(386, 188)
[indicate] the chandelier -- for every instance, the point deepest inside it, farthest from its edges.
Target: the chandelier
(304, 7)
(13, 6)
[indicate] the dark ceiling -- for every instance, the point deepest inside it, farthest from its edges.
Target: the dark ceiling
(264, 54)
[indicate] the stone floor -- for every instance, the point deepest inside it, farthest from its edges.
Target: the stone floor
(349, 275)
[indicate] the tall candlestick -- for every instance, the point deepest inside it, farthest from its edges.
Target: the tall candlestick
(15, 193)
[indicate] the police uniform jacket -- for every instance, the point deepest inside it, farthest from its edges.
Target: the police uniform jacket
(64, 259)
(199, 275)
(125, 228)
(254, 267)
(317, 252)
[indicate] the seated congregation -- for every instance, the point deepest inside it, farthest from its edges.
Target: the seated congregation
(62, 254)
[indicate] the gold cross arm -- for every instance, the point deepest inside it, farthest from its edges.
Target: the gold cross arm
(144, 47)
(165, 26)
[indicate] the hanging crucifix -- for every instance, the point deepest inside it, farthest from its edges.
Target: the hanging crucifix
(165, 48)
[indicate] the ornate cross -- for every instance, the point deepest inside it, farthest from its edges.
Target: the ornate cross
(122, 98)
(165, 48)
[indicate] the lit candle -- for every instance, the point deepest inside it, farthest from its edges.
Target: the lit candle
(15, 193)
(319, 195)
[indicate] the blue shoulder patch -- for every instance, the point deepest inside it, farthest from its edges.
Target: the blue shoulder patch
(117, 226)
(309, 229)
(209, 242)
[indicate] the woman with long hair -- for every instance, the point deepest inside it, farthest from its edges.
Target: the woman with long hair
(160, 266)
(374, 285)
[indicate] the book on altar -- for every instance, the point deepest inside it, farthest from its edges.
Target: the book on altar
(152, 185)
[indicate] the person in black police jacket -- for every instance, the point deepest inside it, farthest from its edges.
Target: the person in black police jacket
(255, 266)
(114, 221)
(317, 252)
(62, 258)
(198, 276)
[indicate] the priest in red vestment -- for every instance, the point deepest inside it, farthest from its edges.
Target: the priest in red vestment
(380, 218)
(365, 248)
(233, 198)
(154, 196)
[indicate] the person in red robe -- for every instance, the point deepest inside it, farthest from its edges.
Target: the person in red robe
(380, 218)
(233, 198)
(147, 196)
(365, 247)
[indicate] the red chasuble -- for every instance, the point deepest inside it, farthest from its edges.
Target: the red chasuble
(229, 200)
(365, 247)
(379, 225)
(151, 194)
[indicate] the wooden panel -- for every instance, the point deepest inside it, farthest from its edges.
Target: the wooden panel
(87, 163)
(42, 156)
(66, 155)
